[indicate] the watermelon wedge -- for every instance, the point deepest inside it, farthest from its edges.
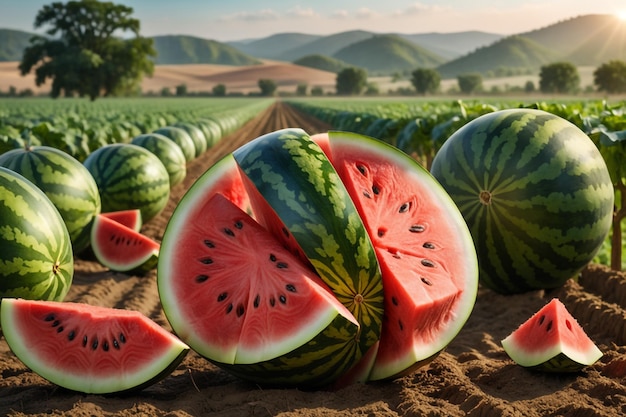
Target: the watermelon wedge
(552, 341)
(87, 348)
(130, 218)
(121, 248)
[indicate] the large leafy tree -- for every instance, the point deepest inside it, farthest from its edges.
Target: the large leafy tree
(611, 77)
(559, 77)
(425, 80)
(86, 53)
(351, 81)
(470, 83)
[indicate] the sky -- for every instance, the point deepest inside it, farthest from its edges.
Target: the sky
(229, 20)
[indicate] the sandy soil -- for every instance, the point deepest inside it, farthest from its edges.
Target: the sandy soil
(473, 377)
(200, 77)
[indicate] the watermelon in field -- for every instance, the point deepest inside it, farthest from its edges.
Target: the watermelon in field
(87, 348)
(535, 193)
(309, 262)
(551, 341)
(65, 181)
(196, 135)
(36, 260)
(181, 138)
(129, 177)
(168, 152)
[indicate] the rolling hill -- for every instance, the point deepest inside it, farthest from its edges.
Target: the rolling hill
(272, 47)
(453, 45)
(174, 49)
(321, 62)
(12, 44)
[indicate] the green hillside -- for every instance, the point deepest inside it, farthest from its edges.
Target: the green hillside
(515, 52)
(386, 54)
(452, 45)
(321, 62)
(175, 49)
(12, 44)
(273, 47)
(327, 45)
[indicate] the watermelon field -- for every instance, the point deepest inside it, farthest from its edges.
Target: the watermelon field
(473, 376)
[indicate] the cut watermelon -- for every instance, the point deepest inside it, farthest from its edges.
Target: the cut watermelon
(552, 341)
(89, 349)
(130, 218)
(121, 248)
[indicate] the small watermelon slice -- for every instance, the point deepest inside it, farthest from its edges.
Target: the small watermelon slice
(121, 248)
(552, 341)
(87, 348)
(130, 218)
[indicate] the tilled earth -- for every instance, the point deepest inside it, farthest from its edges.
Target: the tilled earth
(473, 377)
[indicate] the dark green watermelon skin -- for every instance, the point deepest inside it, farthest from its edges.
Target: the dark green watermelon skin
(536, 195)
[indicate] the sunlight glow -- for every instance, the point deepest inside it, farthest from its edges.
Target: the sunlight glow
(621, 15)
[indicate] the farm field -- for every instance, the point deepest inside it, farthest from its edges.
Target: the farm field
(474, 376)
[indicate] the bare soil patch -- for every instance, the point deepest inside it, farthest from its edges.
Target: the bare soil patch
(473, 377)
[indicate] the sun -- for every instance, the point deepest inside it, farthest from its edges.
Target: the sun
(621, 15)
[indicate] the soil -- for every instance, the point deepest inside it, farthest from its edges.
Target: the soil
(472, 377)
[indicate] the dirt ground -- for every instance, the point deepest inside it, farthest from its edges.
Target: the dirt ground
(473, 377)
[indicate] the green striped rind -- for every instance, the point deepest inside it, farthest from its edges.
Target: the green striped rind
(294, 176)
(36, 260)
(212, 131)
(551, 195)
(181, 138)
(129, 177)
(66, 182)
(168, 152)
(307, 366)
(196, 135)
(560, 363)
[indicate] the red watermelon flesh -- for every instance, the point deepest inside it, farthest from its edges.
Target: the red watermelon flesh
(253, 283)
(429, 277)
(551, 340)
(87, 348)
(130, 218)
(121, 248)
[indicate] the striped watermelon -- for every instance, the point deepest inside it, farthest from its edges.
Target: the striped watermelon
(196, 135)
(535, 193)
(36, 260)
(168, 152)
(129, 177)
(181, 138)
(65, 181)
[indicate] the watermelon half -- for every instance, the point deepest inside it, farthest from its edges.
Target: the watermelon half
(350, 214)
(552, 341)
(87, 348)
(121, 248)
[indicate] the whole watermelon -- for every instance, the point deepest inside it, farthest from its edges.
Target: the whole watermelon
(129, 177)
(536, 195)
(36, 260)
(65, 181)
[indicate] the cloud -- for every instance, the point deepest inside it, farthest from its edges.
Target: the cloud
(340, 14)
(366, 13)
(302, 12)
(418, 9)
(259, 15)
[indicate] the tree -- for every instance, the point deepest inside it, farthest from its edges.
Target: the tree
(351, 81)
(219, 90)
(559, 77)
(611, 77)
(268, 87)
(301, 89)
(425, 80)
(470, 82)
(86, 55)
(181, 90)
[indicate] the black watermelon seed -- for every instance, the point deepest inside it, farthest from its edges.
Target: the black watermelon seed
(285, 232)
(429, 245)
(361, 169)
(272, 257)
(394, 300)
(281, 265)
(238, 224)
(366, 194)
(404, 207)
(400, 325)
(291, 287)
(549, 326)
(381, 232)
(257, 301)
(105, 346)
(49, 317)
(376, 189)
(222, 296)
(206, 261)
(541, 319)
(426, 281)
(122, 338)
(229, 232)
(71, 335)
(417, 228)
(229, 308)
(240, 310)
(55, 323)
(209, 244)
(282, 299)
(428, 263)
(59, 329)
(94, 343)
(84, 341)
(272, 301)
(116, 345)
(201, 278)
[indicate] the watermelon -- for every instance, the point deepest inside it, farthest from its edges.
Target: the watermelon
(168, 152)
(121, 248)
(65, 181)
(36, 260)
(403, 264)
(88, 348)
(181, 138)
(536, 195)
(551, 341)
(211, 129)
(129, 177)
(129, 218)
(196, 135)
